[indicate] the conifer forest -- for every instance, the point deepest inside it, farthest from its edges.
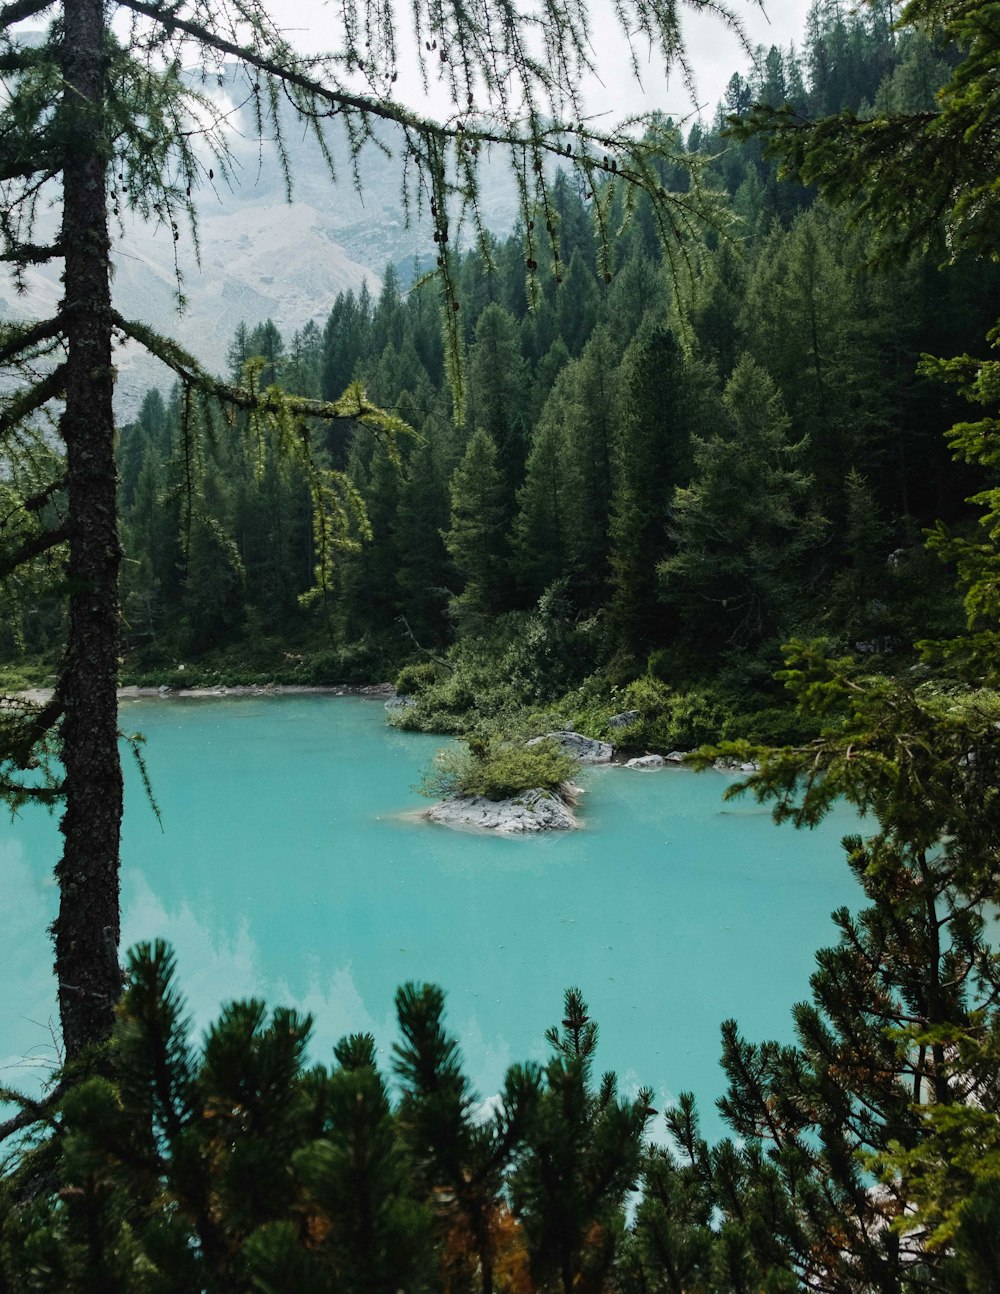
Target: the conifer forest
(705, 442)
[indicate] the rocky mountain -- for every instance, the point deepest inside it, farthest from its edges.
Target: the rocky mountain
(260, 256)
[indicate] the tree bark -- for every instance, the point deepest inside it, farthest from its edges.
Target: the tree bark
(86, 930)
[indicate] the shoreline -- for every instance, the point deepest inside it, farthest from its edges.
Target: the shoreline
(370, 691)
(39, 696)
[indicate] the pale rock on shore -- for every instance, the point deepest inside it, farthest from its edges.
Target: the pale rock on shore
(586, 749)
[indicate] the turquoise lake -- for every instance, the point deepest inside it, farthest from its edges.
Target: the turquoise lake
(287, 868)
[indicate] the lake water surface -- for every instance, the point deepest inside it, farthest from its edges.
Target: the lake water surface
(287, 868)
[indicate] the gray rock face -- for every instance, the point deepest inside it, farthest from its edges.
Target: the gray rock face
(646, 761)
(624, 719)
(535, 810)
(399, 703)
(585, 749)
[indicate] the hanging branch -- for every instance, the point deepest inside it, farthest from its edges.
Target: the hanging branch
(340, 520)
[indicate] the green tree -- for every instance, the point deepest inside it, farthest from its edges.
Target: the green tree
(903, 1016)
(577, 302)
(461, 1160)
(809, 322)
(151, 537)
(580, 1161)
(214, 601)
(477, 536)
(663, 400)
(858, 591)
(499, 394)
(367, 575)
(303, 370)
(538, 555)
(387, 318)
(716, 309)
(229, 1166)
(745, 527)
(148, 432)
(422, 573)
(589, 397)
(266, 343)
(937, 163)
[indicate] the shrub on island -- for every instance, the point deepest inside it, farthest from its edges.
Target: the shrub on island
(497, 769)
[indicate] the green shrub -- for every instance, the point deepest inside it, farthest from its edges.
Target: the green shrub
(369, 660)
(497, 770)
(676, 719)
(772, 726)
(416, 678)
(667, 719)
(521, 666)
(17, 676)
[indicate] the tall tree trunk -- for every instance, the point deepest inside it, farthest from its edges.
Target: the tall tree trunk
(87, 928)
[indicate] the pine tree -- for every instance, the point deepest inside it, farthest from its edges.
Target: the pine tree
(715, 311)
(151, 541)
(460, 1159)
(367, 576)
(387, 318)
(580, 1161)
(538, 556)
(807, 323)
(911, 989)
(499, 395)
(744, 528)
(589, 396)
(894, 1043)
(662, 400)
(303, 369)
(148, 432)
(266, 343)
(858, 592)
(477, 536)
(423, 574)
(228, 1166)
(577, 302)
(938, 165)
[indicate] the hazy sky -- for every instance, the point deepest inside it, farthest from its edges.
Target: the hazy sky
(714, 53)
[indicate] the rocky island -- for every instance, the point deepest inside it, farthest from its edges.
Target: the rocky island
(534, 810)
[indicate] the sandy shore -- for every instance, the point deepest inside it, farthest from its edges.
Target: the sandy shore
(375, 691)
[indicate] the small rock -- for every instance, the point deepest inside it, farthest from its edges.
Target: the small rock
(585, 749)
(534, 810)
(646, 761)
(676, 757)
(624, 719)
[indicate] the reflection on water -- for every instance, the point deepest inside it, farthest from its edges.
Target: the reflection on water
(28, 1043)
(284, 871)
